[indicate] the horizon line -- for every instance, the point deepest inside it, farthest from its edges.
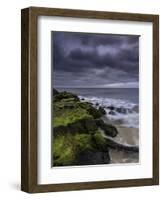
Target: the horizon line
(99, 87)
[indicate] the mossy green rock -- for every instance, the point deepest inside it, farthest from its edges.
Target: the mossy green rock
(69, 148)
(95, 113)
(109, 129)
(77, 139)
(65, 95)
(69, 115)
(87, 126)
(102, 110)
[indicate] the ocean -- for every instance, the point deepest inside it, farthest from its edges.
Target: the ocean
(121, 104)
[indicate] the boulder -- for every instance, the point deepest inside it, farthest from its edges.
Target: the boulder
(96, 113)
(121, 110)
(77, 138)
(93, 158)
(65, 95)
(79, 149)
(111, 107)
(112, 112)
(86, 126)
(90, 125)
(102, 110)
(108, 129)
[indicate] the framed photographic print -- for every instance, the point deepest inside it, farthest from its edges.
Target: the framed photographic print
(90, 100)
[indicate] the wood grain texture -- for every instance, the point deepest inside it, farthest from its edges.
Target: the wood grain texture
(156, 100)
(91, 14)
(29, 87)
(24, 100)
(29, 101)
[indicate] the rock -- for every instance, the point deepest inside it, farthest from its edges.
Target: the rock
(77, 138)
(111, 107)
(69, 105)
(86, 126)
(121, 110)
(76, 127)
(97, 104)
(102, 110)
(109, 129)
(84, 105)
(100, 122)
(93, 158)
(100, 141)
(90, 125)
(65, 95)
(112, 112)
(98, 155)
(96, 113)
(79, 149)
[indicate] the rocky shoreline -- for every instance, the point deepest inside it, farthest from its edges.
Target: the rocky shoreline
(78, 130)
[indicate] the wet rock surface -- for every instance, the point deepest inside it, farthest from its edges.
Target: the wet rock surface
(77, 132)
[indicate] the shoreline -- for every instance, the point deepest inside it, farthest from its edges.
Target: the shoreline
(131, 132)
(85, 128)
(126, 136)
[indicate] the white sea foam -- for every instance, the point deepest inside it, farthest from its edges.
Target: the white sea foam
(124, 112)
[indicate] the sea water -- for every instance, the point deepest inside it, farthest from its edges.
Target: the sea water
(123, 101)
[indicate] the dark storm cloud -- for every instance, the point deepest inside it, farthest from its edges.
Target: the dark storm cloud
(95, 60)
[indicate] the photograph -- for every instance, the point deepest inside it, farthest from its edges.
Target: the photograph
(95, 99)
(90, 99)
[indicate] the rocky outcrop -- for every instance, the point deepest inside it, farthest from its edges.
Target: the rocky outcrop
(102, 110)
(77, 139)
(114, 110)
(87, 126)
(93, 158)
(77, 132)
(63, 96)
(109, 129)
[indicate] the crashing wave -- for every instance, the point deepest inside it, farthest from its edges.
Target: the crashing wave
(120, 111)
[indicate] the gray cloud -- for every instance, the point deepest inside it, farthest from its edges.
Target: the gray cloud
(94, 60)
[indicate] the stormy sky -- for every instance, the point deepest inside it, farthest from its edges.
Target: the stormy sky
(95, 60)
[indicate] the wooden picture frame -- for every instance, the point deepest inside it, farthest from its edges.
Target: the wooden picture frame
(29, 97)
